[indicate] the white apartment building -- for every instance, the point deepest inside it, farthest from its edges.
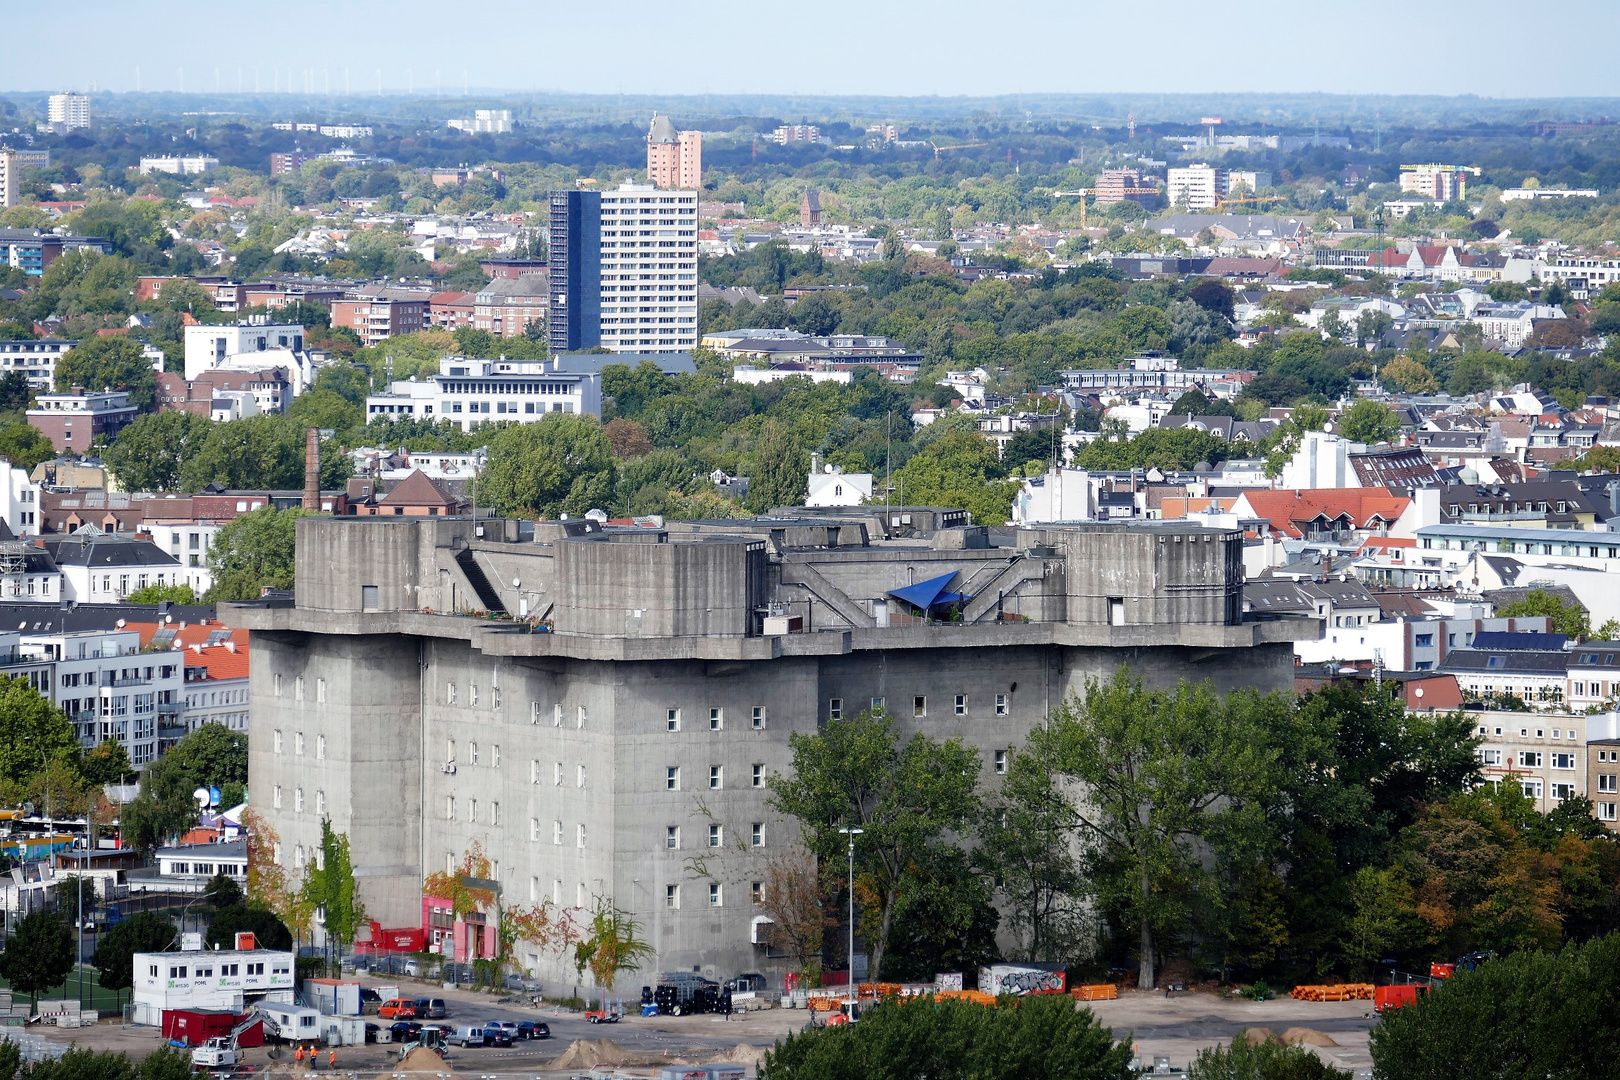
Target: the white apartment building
(346, 131)
(69, 110)
(27, 572)
(216, 685)
(34, 359)
(104, 568)
(101, 680)
(255, 345)
(194, 165)
(19, 500)
(1198, 187)
(1441, 183)
(10, 177)
(485, 122)
(649, 269)
(1546, 754)
(222, 979)
(471, 392)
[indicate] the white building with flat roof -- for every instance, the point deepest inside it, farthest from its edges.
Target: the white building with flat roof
(69, 110)
(649, 269)
(194, 165)
(233, 979)
(254, 345)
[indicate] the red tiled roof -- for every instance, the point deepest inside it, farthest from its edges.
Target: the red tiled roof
(222, 661)
(1284, 508)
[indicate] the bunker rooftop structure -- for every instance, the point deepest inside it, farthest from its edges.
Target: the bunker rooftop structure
(601, 708)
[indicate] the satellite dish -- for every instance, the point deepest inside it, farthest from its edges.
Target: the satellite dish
(201, 795)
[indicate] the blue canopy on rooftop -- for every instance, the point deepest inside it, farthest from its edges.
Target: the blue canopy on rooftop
(931, 593)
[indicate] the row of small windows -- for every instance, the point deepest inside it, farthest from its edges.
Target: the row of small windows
(716, 836)
(716, 894)
(299, 688)
(298, 800)
(298, 744)
(717, 718)
(919, 706)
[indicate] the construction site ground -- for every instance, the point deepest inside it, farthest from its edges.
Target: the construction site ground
(1178, 1026)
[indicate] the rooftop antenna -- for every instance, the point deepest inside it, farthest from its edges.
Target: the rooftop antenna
(1378, 668)
(1130, 124)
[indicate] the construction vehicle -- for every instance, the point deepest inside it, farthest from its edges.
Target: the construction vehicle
(225, 1051)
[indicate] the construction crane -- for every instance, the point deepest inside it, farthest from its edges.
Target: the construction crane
(1233, 200)
(1079, 193)
(938, 149)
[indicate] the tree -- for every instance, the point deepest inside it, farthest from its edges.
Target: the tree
(1214, 295)
(1369, 422)
(1032, 1038)
(628, 438)
(613, 946)
(116, 363)
(253, 552)
(537, 924)
(562, 464)
(780, 472)
(1164, 773)
(1529, 1014)
(799, 907)
(265, 451)
(38, 955)
(144, 931)
(1569, 619)
(959, 469)
(1409, 376)
(329, 888)
(25, 445)
(268, 931)
(162, 594)
(1271, 1059)
(149, 454)
(33, 732)
(1028, 844)
(223, 891)
(108, 763)
(856, 772)
(211, 756)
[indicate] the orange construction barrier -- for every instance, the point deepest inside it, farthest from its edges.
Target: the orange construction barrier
(1333, 992)
(1096, 992)
(977, 996)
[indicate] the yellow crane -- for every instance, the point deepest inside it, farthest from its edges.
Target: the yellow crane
(1079, 193)
(1232, 200)
(938, 149)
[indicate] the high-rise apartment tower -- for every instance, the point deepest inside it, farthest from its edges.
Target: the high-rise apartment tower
(674, 158)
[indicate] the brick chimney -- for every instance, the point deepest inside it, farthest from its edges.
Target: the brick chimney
(312, 471)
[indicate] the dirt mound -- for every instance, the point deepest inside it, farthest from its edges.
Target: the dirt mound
(742, 1054)
(1258, 1035)
(588, 1053)
(1304, 1036)
(423, 1060)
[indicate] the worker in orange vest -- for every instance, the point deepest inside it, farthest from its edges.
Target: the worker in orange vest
(331, 1058)
(298, 1054)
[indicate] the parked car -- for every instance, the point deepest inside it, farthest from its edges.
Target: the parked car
(471, 1035)
(496, 1034)
(372, 1031)
(430, 1008)
(397, 1009)
(533, 1029)
(404, 1030)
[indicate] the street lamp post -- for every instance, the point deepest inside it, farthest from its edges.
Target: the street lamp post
(852, 833)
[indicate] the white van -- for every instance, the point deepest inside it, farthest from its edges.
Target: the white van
(469, 1035)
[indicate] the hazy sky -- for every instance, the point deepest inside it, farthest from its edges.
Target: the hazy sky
(1494, 48)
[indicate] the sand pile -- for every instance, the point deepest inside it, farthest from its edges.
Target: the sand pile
(1258, 1035)
(588, 1053)
(423, 1060)
(742, 1054)
(1304, 1036)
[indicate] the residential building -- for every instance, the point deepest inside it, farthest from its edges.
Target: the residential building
(506, 307)
(451, 310)
(832, 486)
(77, 420)
(1603, 768)
(10, 176)
(1407, 644)
(1153, 372)
(1593, 677)
(71, 111)
(674, 158)
(418, 495)
(623, 271)
(796, 133)
(1197, 187)
(27, 572)
(288, 163)
(31, 251)
(193, 165)
(1543, 753)
(102, 681)
(678, 664)
(34, 359)
(1520, 194)
(270, 391)
(102, 568)
(216, 684)
(378, 318)
(254, 346)
(485, 122)
(1124, 185)
(469, 392)
(1441, 183)
(1528, 666)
